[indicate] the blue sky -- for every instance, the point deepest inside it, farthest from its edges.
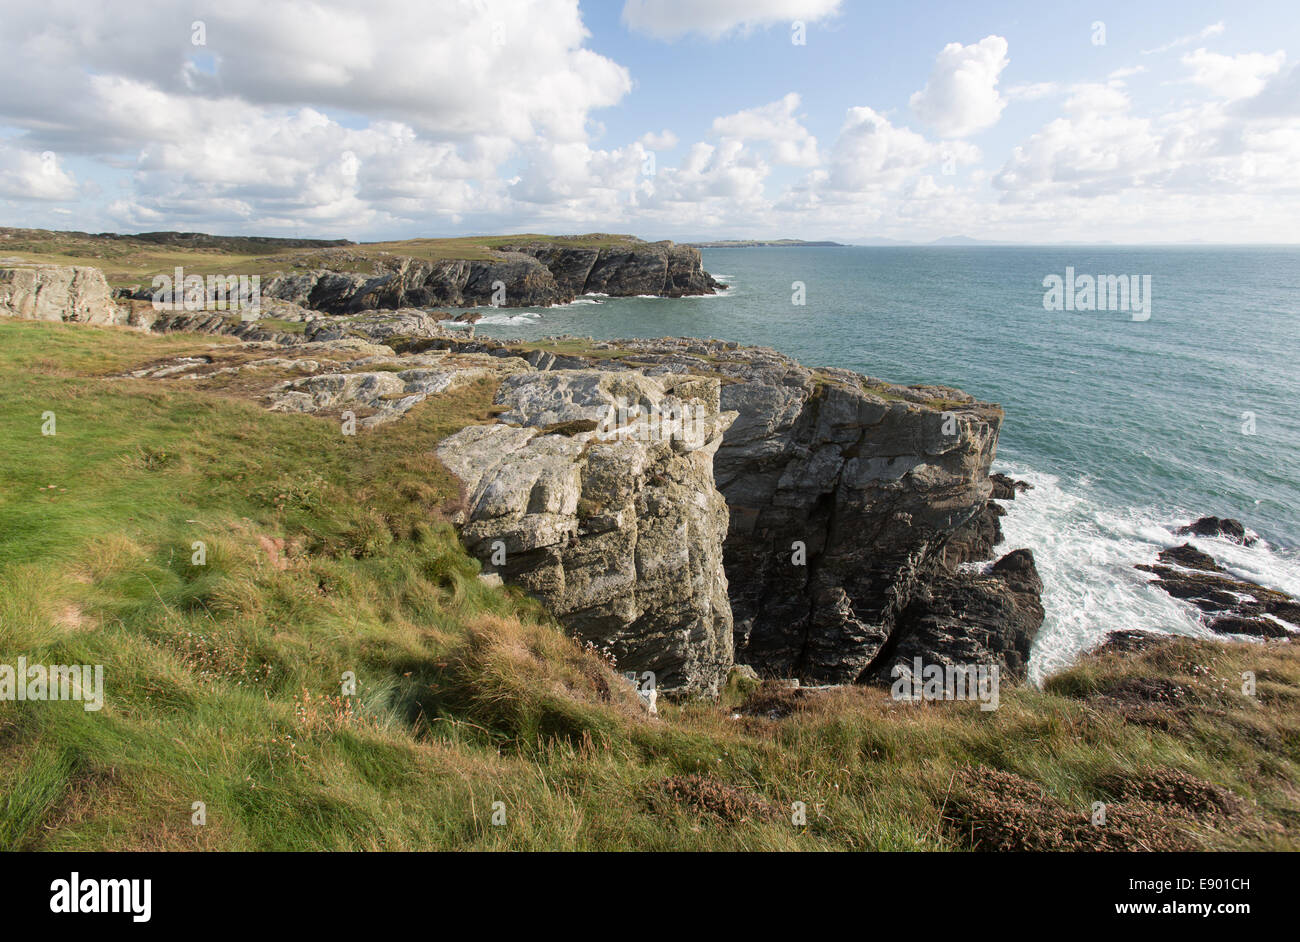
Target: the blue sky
(683, 119)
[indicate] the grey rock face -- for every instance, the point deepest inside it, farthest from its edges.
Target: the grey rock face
(412, 283)
(841, 500)
(843, 494)
(527, 274)
(57, 293)
(612, 519)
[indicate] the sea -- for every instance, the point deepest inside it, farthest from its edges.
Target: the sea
(1127, 422)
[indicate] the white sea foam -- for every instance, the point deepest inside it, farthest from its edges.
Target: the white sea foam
(1086, 553)
(523, 317)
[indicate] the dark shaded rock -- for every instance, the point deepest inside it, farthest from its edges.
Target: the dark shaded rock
(1189, 556)
(1227, 527)
(970, 619)
(1017, 569)
(1005, 488)
(1128, 641)
(974, 542)
(625, 269)
(841, 501)
(1231, 605)
(1238, 625)
(528, 274)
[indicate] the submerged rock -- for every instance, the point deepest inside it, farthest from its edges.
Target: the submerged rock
(1228, 605)
(1226, 527)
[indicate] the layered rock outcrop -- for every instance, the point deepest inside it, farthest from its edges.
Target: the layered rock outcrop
(57, 293)
(842, 495)
(662, 269)
(595, 493)
(846, 497)
(526, 274)
(964, 619)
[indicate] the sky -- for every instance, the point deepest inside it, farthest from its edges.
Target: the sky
(1126, 122)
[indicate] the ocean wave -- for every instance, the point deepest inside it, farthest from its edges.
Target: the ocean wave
(1086, 552)
(523, 317)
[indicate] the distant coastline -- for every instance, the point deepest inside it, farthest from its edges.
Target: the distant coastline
(764, 243)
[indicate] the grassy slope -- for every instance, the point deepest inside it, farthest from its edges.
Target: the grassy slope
(222, 680)
(130, 262)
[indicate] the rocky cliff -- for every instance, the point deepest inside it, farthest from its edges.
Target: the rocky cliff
(843, 494)
(527, 274)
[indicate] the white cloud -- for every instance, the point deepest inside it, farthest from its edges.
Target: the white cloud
(1214, 29)
(1208, 161)
(775, 124)
(252, 127)
(961, 96)
(1032, 91)
(1233, 77)
(664, 140)
(369, 118)
(25, 175)
(672, 19)
(871, 154)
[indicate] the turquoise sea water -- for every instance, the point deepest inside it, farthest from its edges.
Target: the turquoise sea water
(1126, 427)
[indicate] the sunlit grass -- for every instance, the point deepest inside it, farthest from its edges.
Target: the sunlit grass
(328, 555)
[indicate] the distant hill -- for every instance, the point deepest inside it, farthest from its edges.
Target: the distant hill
(762, 243)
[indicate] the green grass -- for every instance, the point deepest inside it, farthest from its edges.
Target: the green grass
(328, 553)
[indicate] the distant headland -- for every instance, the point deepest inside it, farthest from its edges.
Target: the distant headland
(763, 243)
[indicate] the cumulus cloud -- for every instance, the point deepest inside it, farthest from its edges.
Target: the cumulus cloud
(776, 124)
(1217, 157)
(1233, 77)
(672, 19)
(25, 175)
(249, 115)
(871, 154)
(961, 96)
(366, 118)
